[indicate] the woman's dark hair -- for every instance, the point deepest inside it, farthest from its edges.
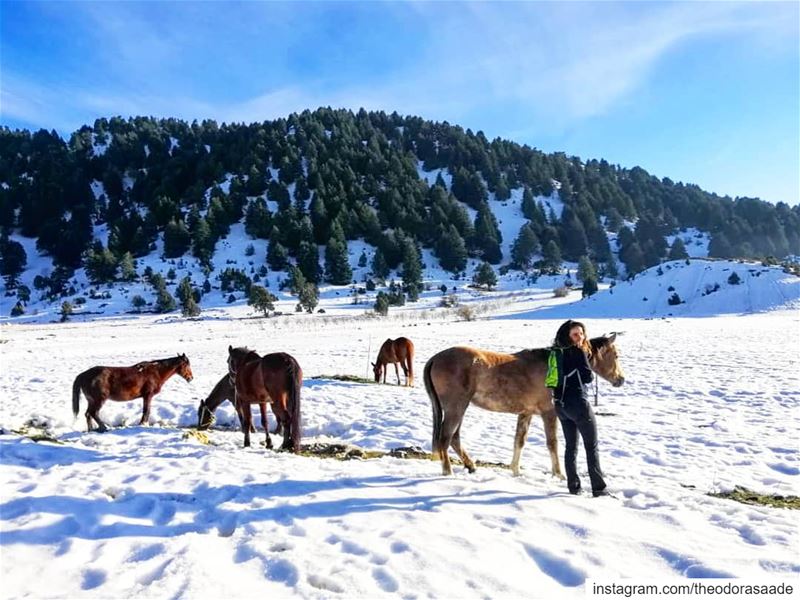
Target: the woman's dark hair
(562, 336)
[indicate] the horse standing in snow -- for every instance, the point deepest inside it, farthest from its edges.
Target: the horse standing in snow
(507, 383)
(142, 380)
(396, 351)
(275, 378)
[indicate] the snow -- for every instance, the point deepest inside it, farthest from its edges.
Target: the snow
(150, 511)
(97, 148)
(430, 176)
(694, 240)
(703, 289)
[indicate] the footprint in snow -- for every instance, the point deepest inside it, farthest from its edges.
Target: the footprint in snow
(555, 567)
(385, 580)
(93, 578)
(144, 553)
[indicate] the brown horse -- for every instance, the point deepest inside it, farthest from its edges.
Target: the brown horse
(508, 383)
(142, 380)
(275, 378)
(396, 351)
(224, 391)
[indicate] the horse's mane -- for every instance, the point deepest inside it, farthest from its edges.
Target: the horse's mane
(599, 342)
(542, 353)
(246, 353)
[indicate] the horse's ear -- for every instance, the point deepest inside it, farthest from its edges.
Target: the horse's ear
(372, 363)
(612, 337)
(230, 349)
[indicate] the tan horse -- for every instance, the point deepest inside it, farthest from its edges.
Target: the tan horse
(508, 383)
(396, 351)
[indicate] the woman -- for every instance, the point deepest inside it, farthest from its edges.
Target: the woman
(573, 408)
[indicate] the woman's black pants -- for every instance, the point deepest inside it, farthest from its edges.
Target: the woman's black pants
(576, 416)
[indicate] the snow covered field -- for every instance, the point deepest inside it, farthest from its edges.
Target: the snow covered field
(709, 403)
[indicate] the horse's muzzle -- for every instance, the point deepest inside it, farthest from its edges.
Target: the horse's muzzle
(619, 382)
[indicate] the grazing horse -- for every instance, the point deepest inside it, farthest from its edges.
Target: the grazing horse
(275, 378)
(508, 383)
(221, 392)
(396, 351)
(142, 380)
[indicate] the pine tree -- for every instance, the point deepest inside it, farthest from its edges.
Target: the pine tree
(308, 298)
(308, 261)
(484, 275)
(551, 257)
(277, 255)
(189, 307)
(451, 251)
(524, 247)
(101, 264)
(127, 268)
(258, 221)
(177, 239)
(261, 299)
(66, 310)
(337, 265)
(678, 250)
(202, 241)
(382, 304)
(379, 267)
(586, 269)
(589, 287)
(412, 268)
(633, 258)
(487, 235)
(12, 261)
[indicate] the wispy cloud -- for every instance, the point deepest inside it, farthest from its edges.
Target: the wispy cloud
(552, 64)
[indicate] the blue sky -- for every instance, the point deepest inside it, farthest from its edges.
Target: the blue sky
(701, 92)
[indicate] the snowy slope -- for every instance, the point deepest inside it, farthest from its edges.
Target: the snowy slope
(702, 286)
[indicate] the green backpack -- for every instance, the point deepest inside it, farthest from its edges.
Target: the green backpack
(554, 377)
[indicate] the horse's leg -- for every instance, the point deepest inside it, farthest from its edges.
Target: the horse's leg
(385, 370)
(456, 445)
(405, 371)
(550, 420)
(523, 422)
(247, 422)
(264, 424)
(146, 398)
(453, 415)
(93, 411)
(397, 373)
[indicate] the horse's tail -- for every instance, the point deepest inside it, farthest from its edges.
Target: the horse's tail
(76, 395)
(410, 363)
(295, 385)
(436, 407)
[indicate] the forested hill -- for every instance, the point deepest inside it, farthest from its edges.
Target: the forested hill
(320, 178)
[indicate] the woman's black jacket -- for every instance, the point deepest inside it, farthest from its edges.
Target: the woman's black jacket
(577, 375)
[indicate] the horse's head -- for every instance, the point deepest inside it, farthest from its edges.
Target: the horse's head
(377, 368)
(205, 417)
(184, 368)
(237, 356)
(605, 360)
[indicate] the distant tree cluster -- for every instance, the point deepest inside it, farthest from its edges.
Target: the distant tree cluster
(314, 181)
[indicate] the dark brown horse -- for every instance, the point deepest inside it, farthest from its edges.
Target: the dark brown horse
(508, 383)
(224, 391)
(142, 380)
(396, 351)
(275, 378)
